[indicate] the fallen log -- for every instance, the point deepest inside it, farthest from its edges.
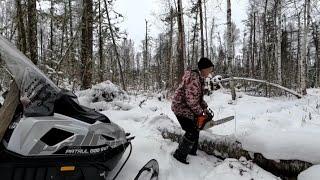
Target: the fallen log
(228, 147)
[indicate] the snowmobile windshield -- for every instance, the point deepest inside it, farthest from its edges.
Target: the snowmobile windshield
(37, 92)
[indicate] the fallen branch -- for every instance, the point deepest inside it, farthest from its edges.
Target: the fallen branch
(266, 83)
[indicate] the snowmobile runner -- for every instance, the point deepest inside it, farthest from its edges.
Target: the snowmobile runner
(51, 136)
(149, 171)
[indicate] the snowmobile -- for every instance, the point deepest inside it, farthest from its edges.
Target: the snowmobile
(51, 136)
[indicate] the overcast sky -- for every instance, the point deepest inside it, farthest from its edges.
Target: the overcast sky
(136, 11)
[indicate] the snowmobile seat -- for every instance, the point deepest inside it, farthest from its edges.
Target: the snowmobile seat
(66, 105)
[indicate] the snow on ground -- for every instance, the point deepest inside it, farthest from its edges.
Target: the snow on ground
(149, 144)
(279, 128)
(312, 173)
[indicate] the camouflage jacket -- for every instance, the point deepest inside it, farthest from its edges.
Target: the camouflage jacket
(188, 98)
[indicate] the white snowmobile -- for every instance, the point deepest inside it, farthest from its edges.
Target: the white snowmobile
(51, 136)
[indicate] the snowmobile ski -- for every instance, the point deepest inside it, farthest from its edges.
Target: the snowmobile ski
(212, 123)
(149, 171)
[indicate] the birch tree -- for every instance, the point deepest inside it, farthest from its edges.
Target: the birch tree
(303, 58)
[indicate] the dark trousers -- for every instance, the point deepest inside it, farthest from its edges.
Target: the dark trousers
(192, 132)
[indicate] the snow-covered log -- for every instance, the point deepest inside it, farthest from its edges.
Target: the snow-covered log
(267, 83)
(228, 147)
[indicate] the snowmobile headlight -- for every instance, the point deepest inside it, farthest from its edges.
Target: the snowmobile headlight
(67, 168)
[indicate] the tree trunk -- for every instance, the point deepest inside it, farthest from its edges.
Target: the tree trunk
(181, 42)
(71, 52)
(253, 61)
(201, 27)
(264, 46)
(86, 43)
(145, 60)
(316, 37)
(194, 61)
(211, 41)
(169, 58)
(115, 47)
(51, 34)
(250, 49)
(32, 31)
(298, 64)
(278, 43)
(303, 59)
(63, 29)
(22, 44)
(101, 64)
(206, 28)
(230, 56)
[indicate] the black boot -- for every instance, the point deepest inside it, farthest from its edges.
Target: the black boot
(194, 149)
(183, 150)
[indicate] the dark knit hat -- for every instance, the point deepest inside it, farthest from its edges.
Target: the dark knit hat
(204, 63)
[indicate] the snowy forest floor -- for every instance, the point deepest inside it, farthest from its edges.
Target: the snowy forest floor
(278, 128)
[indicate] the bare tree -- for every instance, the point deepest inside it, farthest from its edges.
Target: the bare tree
(101, 58)
(22, 44)
(115, 46)
(181, 42)
(32, 31)
(169, 57)
(201, 27)
(278, 43)
(316, 39)
(230, 57)
(304, 47)
(264, 43)
(87, 43)
(206, 27)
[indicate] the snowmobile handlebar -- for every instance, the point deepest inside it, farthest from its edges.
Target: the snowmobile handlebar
(129, 139)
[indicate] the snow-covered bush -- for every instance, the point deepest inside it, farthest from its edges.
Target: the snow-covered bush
(104, 96)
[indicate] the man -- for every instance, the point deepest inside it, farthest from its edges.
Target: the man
(190, 108)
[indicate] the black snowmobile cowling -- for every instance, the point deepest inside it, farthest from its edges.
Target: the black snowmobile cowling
(51, 135)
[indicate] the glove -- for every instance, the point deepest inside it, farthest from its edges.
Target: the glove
(201, 121)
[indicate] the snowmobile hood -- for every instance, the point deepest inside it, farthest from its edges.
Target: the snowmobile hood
(36, 90)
